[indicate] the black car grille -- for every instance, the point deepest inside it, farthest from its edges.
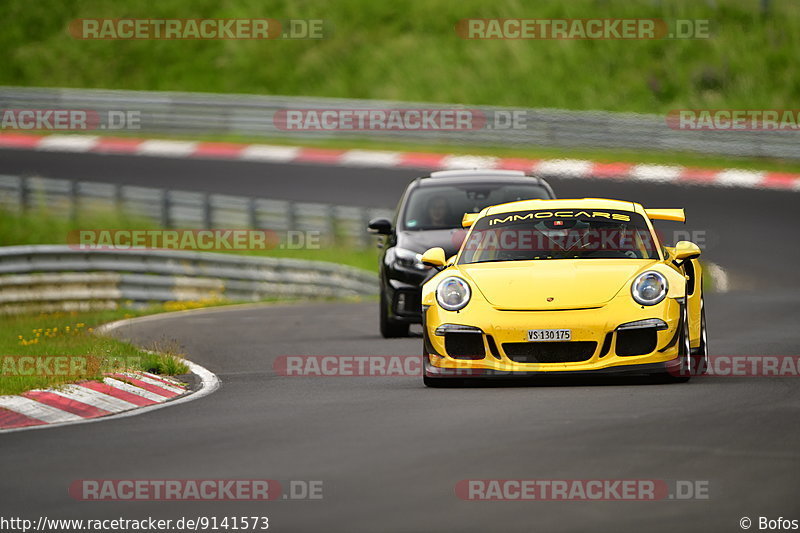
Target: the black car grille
(549, 352)
(464, 345)
(636, 341)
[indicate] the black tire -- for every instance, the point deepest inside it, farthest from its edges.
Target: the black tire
(390, 329)
(700, 354)
(684, 374)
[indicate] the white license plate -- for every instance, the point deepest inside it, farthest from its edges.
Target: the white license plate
(549, 334)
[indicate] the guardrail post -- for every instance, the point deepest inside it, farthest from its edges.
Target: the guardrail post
(117, 198)
(252, 217)
(291, 215)
(165, 218)
(208, 218)
(333, 225)
(72, 198)
(24, 193)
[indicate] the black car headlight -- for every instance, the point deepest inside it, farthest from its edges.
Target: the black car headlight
(649, 288)
(408, 259)
(453, 293)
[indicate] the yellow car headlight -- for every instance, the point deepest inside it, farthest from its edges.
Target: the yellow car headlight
(453, 293)
(649, 288)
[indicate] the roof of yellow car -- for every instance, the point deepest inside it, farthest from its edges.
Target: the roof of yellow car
(564, 203)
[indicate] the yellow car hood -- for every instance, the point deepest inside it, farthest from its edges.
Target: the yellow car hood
(554, 283)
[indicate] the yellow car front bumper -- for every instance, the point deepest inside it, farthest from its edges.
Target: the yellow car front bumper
(597, 343)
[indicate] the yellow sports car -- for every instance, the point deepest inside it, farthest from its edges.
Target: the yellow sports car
(563, 287)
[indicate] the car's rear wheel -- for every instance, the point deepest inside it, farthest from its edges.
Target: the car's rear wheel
(700, 354)
(390, 328)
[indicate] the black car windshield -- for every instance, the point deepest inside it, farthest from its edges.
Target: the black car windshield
(560, 234)
(443, 206)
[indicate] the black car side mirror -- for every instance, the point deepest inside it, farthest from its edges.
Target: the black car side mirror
(381, 226)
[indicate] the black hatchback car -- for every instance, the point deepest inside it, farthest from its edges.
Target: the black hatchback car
(429, 215)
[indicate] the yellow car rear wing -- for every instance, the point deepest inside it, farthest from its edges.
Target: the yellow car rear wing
(666, 214)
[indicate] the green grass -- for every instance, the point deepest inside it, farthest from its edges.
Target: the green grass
(410, 51)
(71, 334)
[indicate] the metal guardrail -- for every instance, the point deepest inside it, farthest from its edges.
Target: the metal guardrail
(333, 224)
(44, 278)
(251, 115)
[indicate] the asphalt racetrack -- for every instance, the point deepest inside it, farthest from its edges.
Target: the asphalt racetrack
(389, 451)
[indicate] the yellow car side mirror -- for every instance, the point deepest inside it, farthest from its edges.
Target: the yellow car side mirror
(686, 250)
(434, 257)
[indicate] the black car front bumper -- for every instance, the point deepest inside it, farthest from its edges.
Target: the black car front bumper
(405, 301)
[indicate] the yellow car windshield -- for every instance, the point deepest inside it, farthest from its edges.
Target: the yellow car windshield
(561, 234)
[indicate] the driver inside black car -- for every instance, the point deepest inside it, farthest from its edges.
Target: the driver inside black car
(438, 212)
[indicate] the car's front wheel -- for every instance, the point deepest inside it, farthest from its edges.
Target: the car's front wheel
(684, 372)
(700, 354)
(390, 328)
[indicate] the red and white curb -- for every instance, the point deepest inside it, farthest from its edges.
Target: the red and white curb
(118, 395)
(561, 168)
(88, 399)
